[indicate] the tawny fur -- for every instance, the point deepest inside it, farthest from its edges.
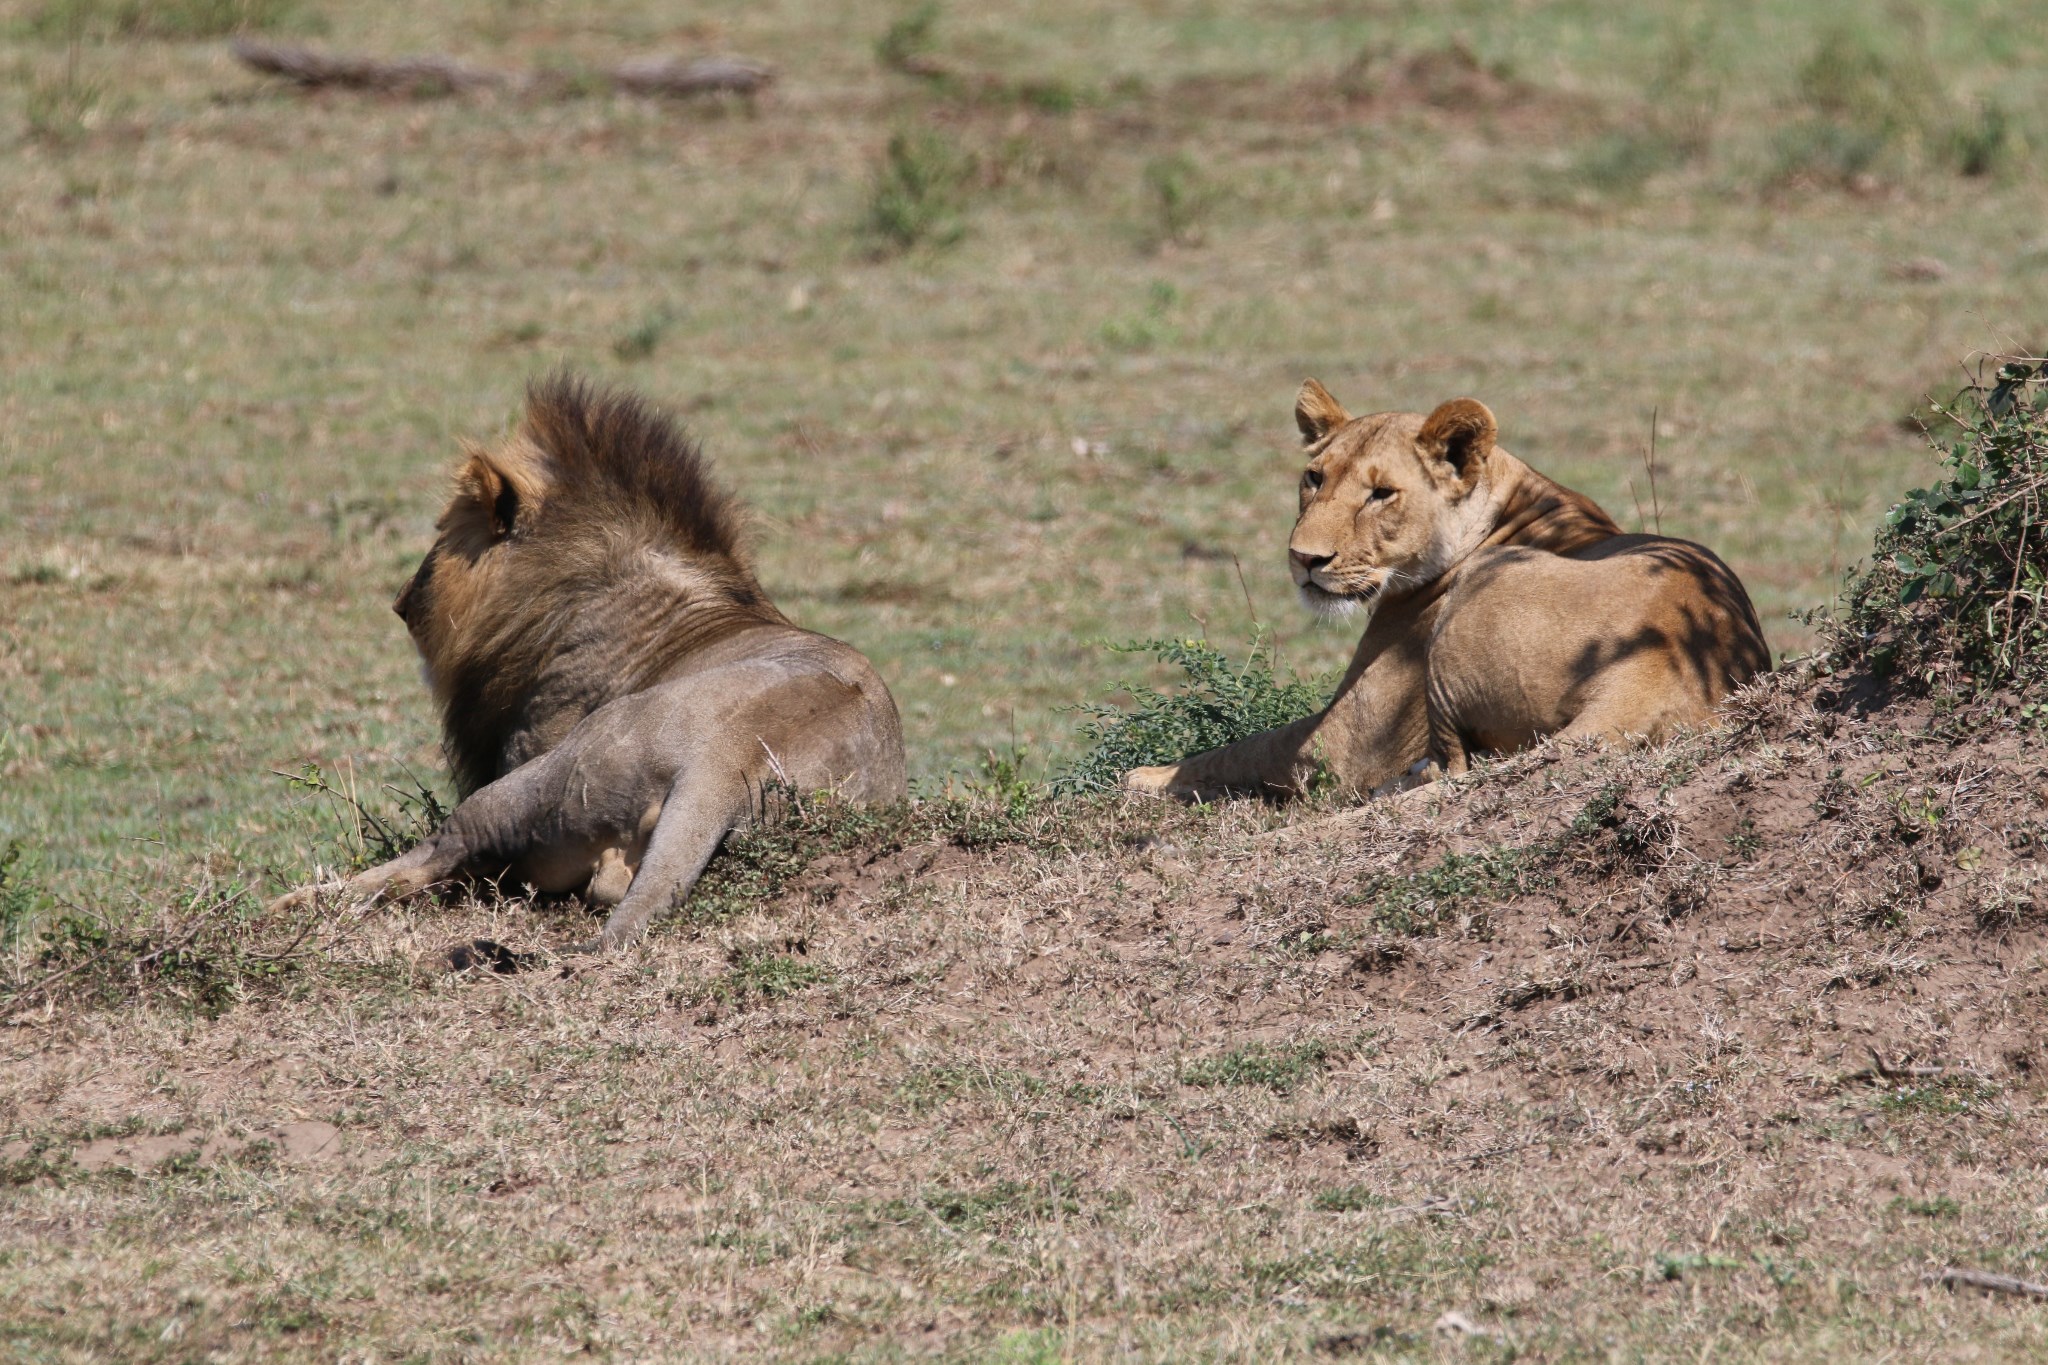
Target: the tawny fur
(1503, 607)
(617, 692)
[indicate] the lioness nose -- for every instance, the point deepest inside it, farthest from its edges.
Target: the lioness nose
(1308, 561)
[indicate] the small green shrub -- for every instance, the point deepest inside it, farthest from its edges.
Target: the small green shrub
(1621, 163)
(1420, 903)
(1952, 598)
(1978, 143)
(1850, 79)
(919, 194)
(765, 974)
(1217, 703)
(368, 835)
(1348, 1199)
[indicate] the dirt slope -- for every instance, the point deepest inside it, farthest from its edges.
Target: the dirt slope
(1712, 1051)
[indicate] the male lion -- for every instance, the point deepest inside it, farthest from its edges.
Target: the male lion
(1503, 608)
(616, 690)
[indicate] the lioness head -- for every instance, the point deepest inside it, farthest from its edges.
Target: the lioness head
(1389, 501)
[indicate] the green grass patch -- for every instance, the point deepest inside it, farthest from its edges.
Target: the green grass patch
(1280, 1069)
(1347, 1199)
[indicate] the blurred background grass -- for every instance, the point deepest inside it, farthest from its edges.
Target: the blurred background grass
(993, 313)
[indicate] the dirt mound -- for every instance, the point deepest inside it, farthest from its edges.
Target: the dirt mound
(1736, 1040)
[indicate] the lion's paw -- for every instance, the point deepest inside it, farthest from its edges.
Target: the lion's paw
(1152, 781)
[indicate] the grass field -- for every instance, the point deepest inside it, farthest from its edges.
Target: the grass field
(994, 314)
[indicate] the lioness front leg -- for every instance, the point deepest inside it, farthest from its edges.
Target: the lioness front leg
(1275, 764)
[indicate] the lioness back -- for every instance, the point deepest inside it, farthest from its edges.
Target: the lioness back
(1632, 637)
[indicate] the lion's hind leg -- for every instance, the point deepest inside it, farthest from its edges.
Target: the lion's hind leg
(701, 808)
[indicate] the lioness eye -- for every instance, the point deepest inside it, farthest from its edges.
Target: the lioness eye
(1382, 494)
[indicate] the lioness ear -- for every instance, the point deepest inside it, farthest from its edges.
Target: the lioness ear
(1316, 413)
(494, 491)
(1460, 433)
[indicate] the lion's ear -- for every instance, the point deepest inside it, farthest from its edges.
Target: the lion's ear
(1461, 434)
(495, 492)
(1317, 413)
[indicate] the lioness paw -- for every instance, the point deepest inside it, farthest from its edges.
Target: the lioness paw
(1152, 781)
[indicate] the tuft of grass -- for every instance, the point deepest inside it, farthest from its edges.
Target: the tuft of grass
(1216, 703)
(1178, 197)
(1622, 162)
(909, 41)
(1940, 1206)
(1979, 142)
(919, 193)
(1003, 1203)
(1952, 598)
(1281, 1070)
(369, 835)
(62, 106)
(757, 864)
(640, 341)
(1867, 108)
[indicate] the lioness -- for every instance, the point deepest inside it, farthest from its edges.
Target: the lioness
(1503, 608)
(616, 690)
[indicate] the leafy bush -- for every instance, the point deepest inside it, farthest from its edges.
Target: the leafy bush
(1217, 703)
(23, 901)
(1952, 598)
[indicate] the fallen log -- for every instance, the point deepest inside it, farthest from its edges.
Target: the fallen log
(1987, 1281)
(704, 76)
(426, 76)
(405, 75)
